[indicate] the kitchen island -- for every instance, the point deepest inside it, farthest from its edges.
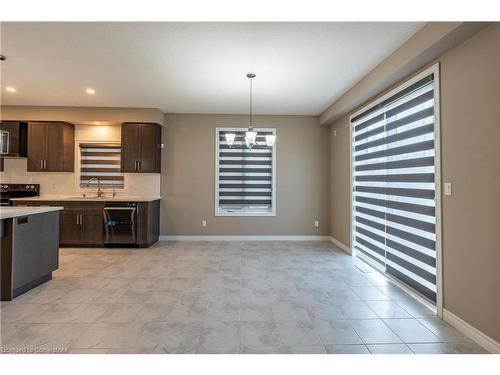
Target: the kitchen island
(29, 248)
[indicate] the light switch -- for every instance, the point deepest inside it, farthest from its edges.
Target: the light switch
(316, 224)
(203, 223)
(447, 188)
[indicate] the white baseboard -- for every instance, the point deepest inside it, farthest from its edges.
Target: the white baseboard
(473, 333)
(339, 244)
(243, 238)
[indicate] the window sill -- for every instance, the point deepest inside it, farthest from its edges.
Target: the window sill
(251, 214)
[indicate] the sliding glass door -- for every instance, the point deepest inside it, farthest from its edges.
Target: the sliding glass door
(394, 184)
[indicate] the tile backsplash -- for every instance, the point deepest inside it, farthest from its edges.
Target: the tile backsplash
(52, 183)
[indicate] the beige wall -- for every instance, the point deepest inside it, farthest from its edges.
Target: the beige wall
(81, 115)
(470, 148)
(188, 187)
(340, 191)
(470, 126)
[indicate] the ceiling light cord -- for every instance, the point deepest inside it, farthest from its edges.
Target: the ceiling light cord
(251, 103)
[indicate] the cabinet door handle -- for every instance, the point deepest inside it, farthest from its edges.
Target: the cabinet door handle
(44, 164)
(41, 164)
(140, 164)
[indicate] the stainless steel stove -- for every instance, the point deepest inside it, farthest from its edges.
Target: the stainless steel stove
(8, 191)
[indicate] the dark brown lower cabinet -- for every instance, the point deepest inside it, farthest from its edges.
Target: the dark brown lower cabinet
(92, 227)
(82, 223)
(148, 223)
(69, 228)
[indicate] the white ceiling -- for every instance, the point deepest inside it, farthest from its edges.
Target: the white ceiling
(192, 67)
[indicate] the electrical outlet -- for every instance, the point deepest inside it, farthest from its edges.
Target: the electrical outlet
(316, 224)
(447, 188)
(203, 223)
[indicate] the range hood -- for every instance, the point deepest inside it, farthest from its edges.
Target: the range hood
(14, 139)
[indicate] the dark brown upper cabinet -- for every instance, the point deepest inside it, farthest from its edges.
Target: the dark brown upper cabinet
(141, 148)
(51, 147)
(16, 138)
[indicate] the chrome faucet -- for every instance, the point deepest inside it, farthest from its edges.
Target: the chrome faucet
(99, 191)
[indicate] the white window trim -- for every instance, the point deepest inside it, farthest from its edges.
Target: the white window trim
(434, 69)
(78, 170)
(217, 210)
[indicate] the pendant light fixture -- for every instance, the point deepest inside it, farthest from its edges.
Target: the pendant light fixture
(250, 134)
(270, 140)
(230, 138)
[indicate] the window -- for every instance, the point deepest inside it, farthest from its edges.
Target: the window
(245, 180)
(101, 161)
(394, 162)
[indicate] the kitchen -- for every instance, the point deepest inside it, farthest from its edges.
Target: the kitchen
(91, 171)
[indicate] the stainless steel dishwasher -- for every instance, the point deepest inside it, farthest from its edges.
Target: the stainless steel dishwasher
(120, 223)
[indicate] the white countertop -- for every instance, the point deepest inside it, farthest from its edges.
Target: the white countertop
(10, 212)
(76, 198)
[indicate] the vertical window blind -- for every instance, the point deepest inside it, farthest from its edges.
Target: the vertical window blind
(394, 211)
(244, 176)
(102, 161)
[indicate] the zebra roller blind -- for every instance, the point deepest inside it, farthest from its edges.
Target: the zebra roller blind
(394, 211)
(102, 161)
(244, 177)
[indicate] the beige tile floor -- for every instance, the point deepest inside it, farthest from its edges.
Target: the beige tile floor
(221, 297)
